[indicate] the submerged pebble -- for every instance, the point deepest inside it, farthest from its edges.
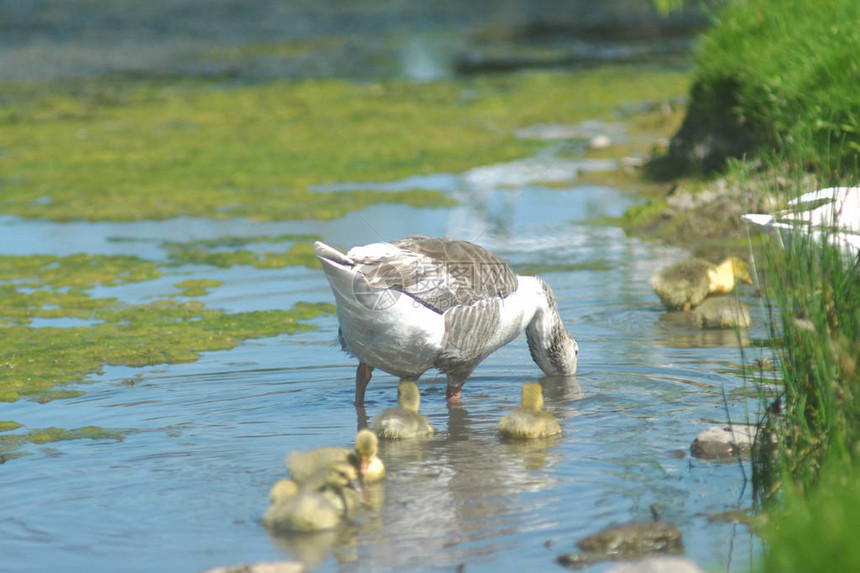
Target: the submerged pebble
(630, 540)
(722, 312)
(672, 564)
(723, 443)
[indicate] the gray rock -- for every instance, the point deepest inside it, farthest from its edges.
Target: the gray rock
(723, 443)
(721, 312)
(263, 567)
(632, 540)
(658, 565)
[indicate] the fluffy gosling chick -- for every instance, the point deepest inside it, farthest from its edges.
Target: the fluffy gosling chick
(529, 420)
(364, 458)
(685, 285)
(403, 421)
(321, 502)
(283, 490)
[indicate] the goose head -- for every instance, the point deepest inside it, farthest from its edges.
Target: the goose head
(550, 344)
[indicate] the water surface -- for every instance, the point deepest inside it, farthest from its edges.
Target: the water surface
(186, 489)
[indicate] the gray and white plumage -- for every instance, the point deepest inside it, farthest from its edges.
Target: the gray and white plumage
(832, 213)
(418, 303)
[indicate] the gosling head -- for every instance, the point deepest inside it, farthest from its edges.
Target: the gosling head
(740, 269)
(366, 446)
(532, 398)
(408, 396)
(341, 475)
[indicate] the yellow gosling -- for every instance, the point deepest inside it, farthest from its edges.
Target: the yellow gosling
(302, 465)
(283, 490)
(404, 421)
(685, 285)
(364, 458)
(321, 502)
(530, 421)
(731, 269)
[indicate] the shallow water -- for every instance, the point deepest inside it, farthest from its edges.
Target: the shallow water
(185, 490)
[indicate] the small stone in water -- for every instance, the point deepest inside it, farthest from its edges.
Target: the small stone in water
(723, 443)
(599, 142)
(626, 541)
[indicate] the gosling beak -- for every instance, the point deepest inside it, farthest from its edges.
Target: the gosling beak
(353, 485)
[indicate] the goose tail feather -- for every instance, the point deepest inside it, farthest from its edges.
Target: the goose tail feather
(330, 254)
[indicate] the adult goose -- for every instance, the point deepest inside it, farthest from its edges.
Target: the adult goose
(419, 302)
(832, 213)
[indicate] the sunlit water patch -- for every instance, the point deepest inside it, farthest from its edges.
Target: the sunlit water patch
(186, 487)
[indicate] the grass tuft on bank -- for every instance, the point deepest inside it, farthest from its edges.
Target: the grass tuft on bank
(815, 305)
(774, 77)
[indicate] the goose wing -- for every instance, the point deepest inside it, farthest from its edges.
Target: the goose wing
(439, 273)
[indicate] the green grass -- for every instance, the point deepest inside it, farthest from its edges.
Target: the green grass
(807, 453)
(789, 69)
(817, 326)
(816, 531)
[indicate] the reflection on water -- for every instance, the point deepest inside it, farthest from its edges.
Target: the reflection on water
(680, 329)
(187, 490)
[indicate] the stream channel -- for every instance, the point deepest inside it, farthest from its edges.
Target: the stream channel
(186, 489)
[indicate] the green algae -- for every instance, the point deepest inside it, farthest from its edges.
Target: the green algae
(54, 434)
(150, 150)
(198, 287)
(10, 444)
(8, 425)
(80, 271)
(36, 361)
(211, 252)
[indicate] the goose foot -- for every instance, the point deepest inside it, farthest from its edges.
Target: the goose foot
(452, 393)
(363, 375)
